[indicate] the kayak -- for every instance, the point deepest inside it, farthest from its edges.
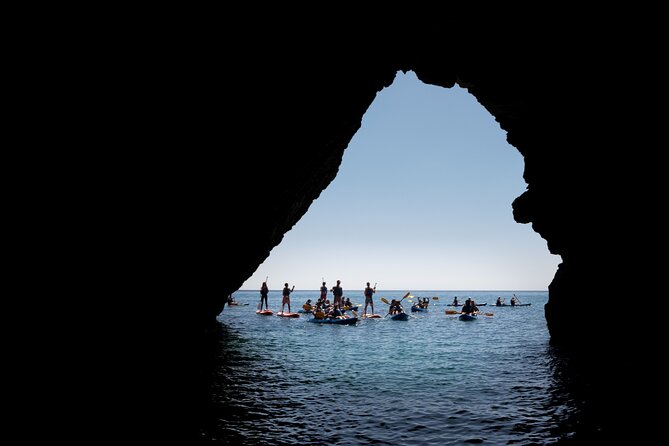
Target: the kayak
(336, 321)
(286, 314)
(400, 317)
(517, 305)
(354, 308)
(266, 312)
(414, 309)
(467, 317)
(303, 311)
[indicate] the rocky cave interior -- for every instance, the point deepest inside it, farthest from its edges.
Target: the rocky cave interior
(238, 124)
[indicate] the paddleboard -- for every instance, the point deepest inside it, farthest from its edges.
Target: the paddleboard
(266, 312)
(372, 316)
(286, 314)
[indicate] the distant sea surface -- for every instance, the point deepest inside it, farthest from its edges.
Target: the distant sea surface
(430, 380)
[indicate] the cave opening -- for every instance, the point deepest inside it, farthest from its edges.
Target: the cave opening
(422, 200)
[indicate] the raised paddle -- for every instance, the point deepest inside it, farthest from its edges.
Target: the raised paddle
(385, 301)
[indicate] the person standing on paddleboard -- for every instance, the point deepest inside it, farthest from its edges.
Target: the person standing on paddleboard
(286, 296)
(324, 292)
(369, 292)
(337, 292)
(264, 291)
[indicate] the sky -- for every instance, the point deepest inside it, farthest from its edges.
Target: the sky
(422, 201)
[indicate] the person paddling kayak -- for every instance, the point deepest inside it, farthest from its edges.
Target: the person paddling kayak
(470, 307)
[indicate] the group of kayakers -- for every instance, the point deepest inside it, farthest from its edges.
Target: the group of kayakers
(500, 302)
(337, 293)
(422, 303)
(469, 307)
(325, 307)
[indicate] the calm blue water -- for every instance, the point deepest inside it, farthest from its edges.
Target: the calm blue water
(430, 380)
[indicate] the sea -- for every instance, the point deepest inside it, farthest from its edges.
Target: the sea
(431, 380)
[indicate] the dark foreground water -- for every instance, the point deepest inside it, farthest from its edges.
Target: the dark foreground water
(430, 380)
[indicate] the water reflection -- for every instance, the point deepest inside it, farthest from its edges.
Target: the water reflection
(581, 402)
(249, 397)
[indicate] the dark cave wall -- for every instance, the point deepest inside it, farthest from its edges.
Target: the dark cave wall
(213, 142)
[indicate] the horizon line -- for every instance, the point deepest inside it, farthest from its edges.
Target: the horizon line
(404, 289)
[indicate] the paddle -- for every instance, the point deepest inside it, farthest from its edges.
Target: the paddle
(385, 301)
(307, 307)
(354, 313)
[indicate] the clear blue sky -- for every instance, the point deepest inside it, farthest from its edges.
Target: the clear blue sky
(422, 201)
